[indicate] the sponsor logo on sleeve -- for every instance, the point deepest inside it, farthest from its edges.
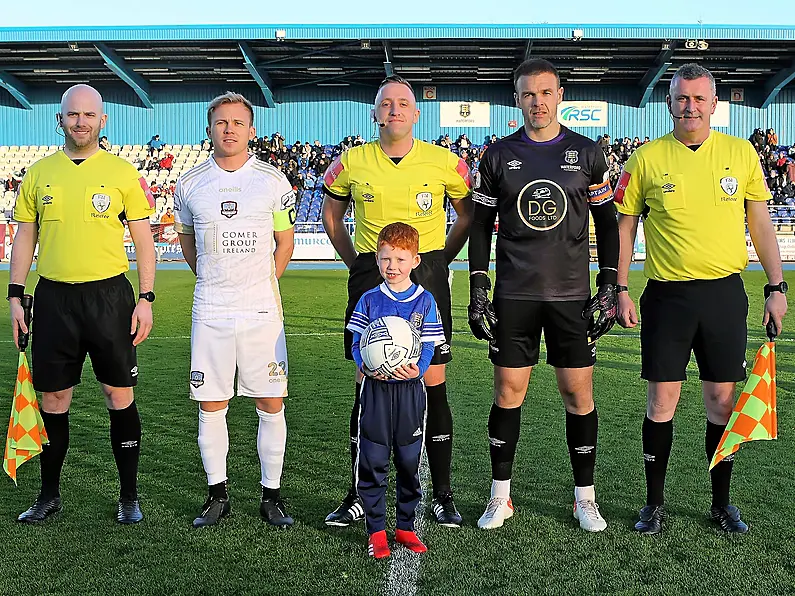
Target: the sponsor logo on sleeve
(621, 188)
(463, 170)
(333, 172)
(147, 192)
(288, 200)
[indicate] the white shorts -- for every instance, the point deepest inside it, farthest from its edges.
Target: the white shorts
(256, 349)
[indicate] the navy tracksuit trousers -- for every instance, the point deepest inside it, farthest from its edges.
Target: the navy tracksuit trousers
(391, 420)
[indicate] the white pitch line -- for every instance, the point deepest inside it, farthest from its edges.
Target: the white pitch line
(404, 565)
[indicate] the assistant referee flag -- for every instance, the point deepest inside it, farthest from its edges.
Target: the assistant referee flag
(26, 432)
(754, 417)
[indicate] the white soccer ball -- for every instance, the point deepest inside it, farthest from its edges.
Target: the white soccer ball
(389, 343)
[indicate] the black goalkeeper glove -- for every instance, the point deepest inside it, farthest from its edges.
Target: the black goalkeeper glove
(606, 304)
(482, 318)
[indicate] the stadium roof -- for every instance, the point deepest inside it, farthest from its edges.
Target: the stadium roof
(280, 57)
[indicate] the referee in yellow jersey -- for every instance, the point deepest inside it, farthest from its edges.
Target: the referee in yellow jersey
(74, 203)
(399, 178)
(696, 187)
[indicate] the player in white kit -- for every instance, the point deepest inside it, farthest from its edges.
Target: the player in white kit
(235, 217)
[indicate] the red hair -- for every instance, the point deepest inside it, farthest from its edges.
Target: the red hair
(400, 235)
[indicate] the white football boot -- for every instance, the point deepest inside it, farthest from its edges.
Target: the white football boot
(586, 511)
(497, 511)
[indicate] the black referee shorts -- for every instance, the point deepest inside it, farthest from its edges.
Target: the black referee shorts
(708, 317)
(432, 274)
(72, 320)
(517, 337)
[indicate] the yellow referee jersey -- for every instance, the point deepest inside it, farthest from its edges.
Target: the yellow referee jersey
(412, 191)
(79, 210)
(695, 227)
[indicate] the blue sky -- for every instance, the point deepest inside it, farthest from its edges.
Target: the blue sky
(101, 12)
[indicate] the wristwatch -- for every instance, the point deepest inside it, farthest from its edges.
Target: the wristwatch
(620, 289)
(782, 287)
(148, 296)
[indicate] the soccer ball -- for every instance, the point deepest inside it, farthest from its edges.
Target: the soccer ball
(388, 343)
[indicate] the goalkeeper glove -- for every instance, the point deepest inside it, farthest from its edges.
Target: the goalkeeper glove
(606, 304)
(482, 318)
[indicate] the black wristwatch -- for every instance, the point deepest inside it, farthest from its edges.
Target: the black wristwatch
(782, 287)
(148, 296)
(620, 289)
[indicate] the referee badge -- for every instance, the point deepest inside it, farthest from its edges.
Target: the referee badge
(101, 202)
(424, 200)
(729, 185)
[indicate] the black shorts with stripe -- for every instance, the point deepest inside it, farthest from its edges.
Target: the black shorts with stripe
(71, 321)
(432, 274)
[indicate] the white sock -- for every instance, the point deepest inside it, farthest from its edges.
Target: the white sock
(501, 489)
(214, 444)
(271, 442)
(584, 492)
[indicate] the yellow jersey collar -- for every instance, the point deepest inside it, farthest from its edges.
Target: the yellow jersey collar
(406, 157)
(706, 142)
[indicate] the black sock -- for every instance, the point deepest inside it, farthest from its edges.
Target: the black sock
(125, 438)
(581, 431)
(218, 491)
(270, 493)
(721, 474)
(657, 440)
(439, 438)
(54, 453)
(504, 426)
(354, 444)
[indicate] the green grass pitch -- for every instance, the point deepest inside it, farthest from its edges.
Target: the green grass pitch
(539, 551)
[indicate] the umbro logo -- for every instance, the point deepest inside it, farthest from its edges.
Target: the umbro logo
(649, 457)
(129, 444)
(440, 438)
(514, 164)
(418, 432)
(46, 200)
(584, 449)
(669, 187)
(496, 442)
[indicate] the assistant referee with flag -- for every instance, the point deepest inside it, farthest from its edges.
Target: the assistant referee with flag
(696, 187)
(74, 203)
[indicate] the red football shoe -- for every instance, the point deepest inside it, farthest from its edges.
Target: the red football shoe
(410, 541)
(377, 545)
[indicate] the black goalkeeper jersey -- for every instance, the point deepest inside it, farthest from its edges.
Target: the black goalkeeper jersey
(542, 193)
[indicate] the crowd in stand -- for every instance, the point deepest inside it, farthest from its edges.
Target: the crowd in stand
(305, 162)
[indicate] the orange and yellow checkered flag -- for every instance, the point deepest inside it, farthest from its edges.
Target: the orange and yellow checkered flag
(26, 432)
(754, 417)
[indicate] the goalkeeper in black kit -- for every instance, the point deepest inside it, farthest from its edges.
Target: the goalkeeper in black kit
(542, 182)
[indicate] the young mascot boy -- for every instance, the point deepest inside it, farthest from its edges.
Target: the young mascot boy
(392, 416)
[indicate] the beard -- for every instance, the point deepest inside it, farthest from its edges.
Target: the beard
(89, 140)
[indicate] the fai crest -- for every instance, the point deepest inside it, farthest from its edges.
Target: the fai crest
(424, 200)
(229, 209)
(571, 157)
(101, 202)
(729, 185)
(465, 110)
